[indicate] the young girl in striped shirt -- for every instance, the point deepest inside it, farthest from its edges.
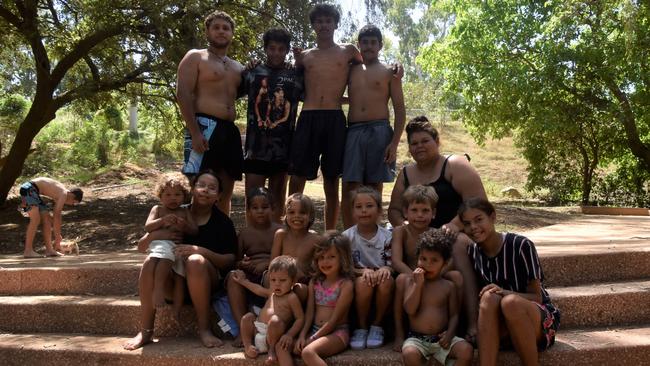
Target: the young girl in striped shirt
(514, 306)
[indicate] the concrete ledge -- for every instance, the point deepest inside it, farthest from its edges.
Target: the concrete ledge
(603, 210)
(620, 346)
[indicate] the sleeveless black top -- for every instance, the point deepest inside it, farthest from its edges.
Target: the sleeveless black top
(448, 199)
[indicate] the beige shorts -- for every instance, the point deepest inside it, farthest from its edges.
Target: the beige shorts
(164, 249)
(260, 337)
(428, 349)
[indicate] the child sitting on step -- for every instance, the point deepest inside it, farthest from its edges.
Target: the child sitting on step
(280, 319)
(514, 306)
(432, 306)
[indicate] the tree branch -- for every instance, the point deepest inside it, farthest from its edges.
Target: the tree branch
(82, 48)
(10, 17)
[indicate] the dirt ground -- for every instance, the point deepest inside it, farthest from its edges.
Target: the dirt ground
(116, 205)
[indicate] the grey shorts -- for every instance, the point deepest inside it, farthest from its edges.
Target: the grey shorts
(365, 148)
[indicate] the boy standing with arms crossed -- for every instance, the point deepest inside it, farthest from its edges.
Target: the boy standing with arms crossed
(207, 85)
(371, 144)
(431, 304)
(319, 138)
(32, 204)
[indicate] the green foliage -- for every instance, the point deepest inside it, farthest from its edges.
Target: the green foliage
(570, 78)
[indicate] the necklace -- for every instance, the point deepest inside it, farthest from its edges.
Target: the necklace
(223, 59)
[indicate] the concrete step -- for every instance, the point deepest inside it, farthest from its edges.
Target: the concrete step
(111, 315)
(581, 306)
(617, 346)
(565, 264)
(576, 263)
(99, 274)
(621, 303)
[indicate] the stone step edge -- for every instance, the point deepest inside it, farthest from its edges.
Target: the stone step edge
(623, 345)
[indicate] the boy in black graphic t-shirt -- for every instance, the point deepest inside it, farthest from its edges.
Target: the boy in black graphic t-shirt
(273, 91)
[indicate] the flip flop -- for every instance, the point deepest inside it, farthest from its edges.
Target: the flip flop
(55, 255)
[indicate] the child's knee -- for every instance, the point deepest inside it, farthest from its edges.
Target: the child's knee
(276, 322)
(249, 317)
(463, 351)
(411, 355)
(386, 287)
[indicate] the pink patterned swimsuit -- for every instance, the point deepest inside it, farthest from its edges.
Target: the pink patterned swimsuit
(328, 296)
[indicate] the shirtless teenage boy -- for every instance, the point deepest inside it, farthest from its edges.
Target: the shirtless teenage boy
(207, 85)
(32, 204)
(320, 132)
(371, 144)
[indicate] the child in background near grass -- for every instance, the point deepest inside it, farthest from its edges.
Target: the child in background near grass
(254, 252)
(330, 296)
(32, 204)
(280, 319)
(432, 306)
(514, 306)
(371, 253)
(169, 214)
(296, 239)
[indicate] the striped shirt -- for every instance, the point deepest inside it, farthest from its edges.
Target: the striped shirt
(512, 268)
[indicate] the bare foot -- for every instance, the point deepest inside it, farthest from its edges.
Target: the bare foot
(397, 345)
(139, 340)
(53, 253)
(272, 359)
(209, 340)
(32, 254)
(237, 342)
(250, 351)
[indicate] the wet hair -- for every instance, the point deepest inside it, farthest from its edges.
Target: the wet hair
(370, 192)
(418, 193)
(284, 263)
(478, 203)
(306, 205)
(259, 192)
(77, 193)
(435, 240)
(333, 238)
(324, 10)
(209, 172)
(370, 30)
(279, 35)
(218, 14)
(420, 124)
(173, 181)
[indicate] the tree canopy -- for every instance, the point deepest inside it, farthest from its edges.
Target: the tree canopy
(58, 52)
(569, 77)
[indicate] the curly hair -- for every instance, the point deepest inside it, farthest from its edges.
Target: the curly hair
(324, 10)
(333, 238)
(218, 14)
(436, 240)
(173, 181)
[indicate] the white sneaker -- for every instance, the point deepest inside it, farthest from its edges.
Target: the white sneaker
(375, 337)
(358, 341)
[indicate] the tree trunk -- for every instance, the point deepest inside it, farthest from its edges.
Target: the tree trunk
(28, 129)
(133, 117)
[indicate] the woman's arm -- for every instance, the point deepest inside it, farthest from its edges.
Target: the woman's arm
(340, 309)
(466, 181)
(395, 211)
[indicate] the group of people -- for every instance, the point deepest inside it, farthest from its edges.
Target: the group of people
(447, 278)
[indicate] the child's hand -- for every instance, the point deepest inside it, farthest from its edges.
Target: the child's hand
(418, 276)
(382, 274)
(445, 339)
(286, 342)
(169, 220)
(299, 345)
(368, 277)
(238, 276)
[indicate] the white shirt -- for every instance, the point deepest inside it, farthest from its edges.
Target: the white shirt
(370, 253)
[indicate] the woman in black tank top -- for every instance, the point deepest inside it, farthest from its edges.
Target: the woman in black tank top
(453, 178)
